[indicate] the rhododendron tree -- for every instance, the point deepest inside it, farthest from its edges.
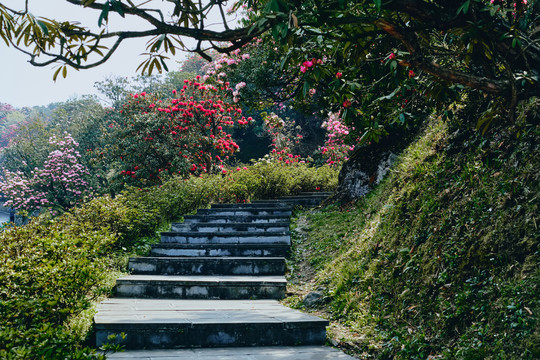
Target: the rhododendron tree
(336, 147)
(59, 185)
(285, 138)
(260, 85)
(150, 137)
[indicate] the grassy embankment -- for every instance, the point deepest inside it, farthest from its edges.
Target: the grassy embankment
(441, 260)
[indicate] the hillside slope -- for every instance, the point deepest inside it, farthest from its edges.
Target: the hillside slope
(442, 259)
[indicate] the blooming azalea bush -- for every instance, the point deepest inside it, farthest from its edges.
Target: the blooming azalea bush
(285, 138)
(188, 134)
(335, 149)
(59, 185)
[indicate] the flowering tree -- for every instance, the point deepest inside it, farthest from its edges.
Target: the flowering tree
(336, 148)
(260, 84)
(59, 185)
(285, 138)
(150, 137)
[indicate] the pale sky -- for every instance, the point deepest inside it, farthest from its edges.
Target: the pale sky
(22, 84)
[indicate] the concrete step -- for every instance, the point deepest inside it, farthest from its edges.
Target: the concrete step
(314, 352)
(257, 219)
(267, 210)
(201, 287)
(252, 205)
(187, 237)
(212, 250)
(162, 324)
(207, 265)
(228, 227)
(307, 202)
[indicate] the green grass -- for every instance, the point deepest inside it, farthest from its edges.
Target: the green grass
(442, 258)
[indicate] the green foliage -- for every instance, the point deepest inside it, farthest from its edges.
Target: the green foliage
(28, 149)
(442, 258)
(48, 274)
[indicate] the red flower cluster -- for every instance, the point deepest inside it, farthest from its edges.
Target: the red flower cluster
(306, 65)
(181, 135)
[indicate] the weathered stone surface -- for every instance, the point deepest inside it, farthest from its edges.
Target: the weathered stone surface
(254, 205)
(206, 323)
(195, 237)
(259, 219)
(358, 178)
(207, 265)
(232, 227)
(246, 211)
(201, 287)
(312, 299)
(369, 163)
(218, 250)
(244, 353)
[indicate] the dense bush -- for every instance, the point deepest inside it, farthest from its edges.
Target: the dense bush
(52, 269)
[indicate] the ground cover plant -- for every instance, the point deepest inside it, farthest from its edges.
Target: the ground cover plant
(54, 268)
(442, 259)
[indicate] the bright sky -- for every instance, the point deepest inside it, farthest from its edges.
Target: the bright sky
(22, 84)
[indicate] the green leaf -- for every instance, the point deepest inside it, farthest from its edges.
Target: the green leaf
(86, 3)
(274, 5)
(464, 7)
(163, 63)
(43, 27)
(377, 4)
(117, 6)
(56, 73)
(389, 96)
(305, 90)
(104, 14)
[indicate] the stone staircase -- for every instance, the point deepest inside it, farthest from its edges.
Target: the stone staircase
(210, 290)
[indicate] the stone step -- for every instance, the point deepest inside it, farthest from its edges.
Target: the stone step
(246, 211)
(257, 219)
(252, 205)
(207, 265)
(297, 202)
(316, 193)
(228, 227)
(187, 237)
(313, 352)
(162, 324)
(201, 287)
(211, 250)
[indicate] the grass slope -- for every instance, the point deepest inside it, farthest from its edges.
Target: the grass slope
(441, 260)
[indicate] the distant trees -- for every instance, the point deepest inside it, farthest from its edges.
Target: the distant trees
(59, 184)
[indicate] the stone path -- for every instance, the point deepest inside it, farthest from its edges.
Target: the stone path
(210, 290)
